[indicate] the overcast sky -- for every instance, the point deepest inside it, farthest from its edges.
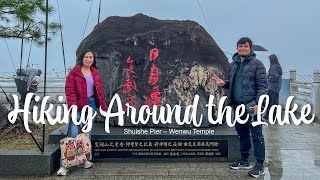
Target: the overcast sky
(285, 27)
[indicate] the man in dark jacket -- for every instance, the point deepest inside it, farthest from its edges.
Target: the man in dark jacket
(246, 82)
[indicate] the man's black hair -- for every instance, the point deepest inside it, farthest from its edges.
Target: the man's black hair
(244, 40)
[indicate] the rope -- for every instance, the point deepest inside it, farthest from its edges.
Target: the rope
(205, 19)
(10, 54)
(85, 28)
(62, 44)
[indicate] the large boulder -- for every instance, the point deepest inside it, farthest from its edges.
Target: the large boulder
(151, 61)
(3, 116)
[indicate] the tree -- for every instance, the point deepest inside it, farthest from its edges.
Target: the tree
(20, 19)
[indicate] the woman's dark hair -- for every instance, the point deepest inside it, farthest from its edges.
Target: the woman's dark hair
(80, 58)
(274, 61)
(244, 40)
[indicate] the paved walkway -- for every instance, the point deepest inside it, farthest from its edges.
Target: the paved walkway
(293, 153)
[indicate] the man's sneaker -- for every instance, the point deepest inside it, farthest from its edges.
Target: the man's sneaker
(240, 165)
(86, 165)
(257, 170)
(62, 171)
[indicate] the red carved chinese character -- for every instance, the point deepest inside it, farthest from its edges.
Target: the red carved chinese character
(129, 60)
(129, 100)
(130, 69)
(155, 96)
(130, 84)
(154, 53)
(154, 75)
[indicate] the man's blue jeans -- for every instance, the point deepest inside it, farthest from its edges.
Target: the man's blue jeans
(243, 131)
(74, 128)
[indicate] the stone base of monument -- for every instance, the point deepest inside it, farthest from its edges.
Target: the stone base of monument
(161, 144)
(216, 144)
(29, 162)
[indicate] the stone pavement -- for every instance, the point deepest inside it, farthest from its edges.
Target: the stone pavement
(293, 153)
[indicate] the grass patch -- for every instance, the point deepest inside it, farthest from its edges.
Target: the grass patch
(20, 139)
